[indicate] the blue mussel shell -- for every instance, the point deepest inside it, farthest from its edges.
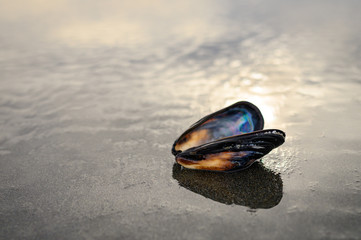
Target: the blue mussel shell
(228, 140)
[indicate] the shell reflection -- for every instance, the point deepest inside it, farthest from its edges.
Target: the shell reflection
(255, 187)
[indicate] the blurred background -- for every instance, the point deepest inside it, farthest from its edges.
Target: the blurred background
(93, 95)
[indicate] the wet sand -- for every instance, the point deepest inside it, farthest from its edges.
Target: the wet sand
(92, 98)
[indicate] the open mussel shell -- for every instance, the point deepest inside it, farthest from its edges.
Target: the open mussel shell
(228, 140)
(239, 118)
(231, 153)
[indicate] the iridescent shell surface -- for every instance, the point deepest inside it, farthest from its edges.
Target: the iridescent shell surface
(227, 140)
(239, 118)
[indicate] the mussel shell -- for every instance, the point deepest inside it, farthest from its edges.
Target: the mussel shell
(239, 118)
(232, 153)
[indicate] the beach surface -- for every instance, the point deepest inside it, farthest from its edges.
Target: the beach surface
(93, 95)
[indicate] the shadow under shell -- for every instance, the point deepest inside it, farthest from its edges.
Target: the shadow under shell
(255, 187)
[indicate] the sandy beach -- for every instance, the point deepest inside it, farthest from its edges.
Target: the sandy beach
(93, 95)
